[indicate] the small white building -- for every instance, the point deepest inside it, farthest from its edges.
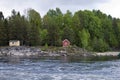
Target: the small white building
(14, 43)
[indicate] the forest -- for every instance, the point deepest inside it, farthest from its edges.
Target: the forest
(91, 30)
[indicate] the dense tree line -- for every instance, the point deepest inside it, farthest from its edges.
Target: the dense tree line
(92, 30)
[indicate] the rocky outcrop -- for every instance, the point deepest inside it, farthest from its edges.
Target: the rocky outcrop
(13, 54)
(20, 51)
(23, 51)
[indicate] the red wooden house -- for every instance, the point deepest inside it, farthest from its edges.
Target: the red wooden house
(66, 43)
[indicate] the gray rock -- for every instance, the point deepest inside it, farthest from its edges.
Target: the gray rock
(20, 51)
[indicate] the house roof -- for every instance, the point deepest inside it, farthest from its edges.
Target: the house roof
(66, 40)
(13, 40)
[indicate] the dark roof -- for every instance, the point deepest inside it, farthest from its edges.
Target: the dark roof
(13, 40)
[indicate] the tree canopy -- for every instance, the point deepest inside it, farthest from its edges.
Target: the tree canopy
(92, 30)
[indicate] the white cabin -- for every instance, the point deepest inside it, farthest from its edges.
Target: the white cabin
(14, 43)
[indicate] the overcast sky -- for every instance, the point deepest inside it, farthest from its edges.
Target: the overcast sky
(111, 7)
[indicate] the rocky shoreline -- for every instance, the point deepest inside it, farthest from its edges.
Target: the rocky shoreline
(37, 52)
(23, 51)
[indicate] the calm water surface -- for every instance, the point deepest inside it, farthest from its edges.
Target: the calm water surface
(58, 70)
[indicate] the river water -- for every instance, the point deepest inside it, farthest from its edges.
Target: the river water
(59, 70)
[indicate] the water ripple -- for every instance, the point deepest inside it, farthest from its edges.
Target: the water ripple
(56, 70)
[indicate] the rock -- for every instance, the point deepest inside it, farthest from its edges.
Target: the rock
(25, 51)
(19, 51)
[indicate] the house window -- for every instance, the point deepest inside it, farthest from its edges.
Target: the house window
(12, 42)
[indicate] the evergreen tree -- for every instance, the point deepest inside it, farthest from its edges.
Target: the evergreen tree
(34, 19)
(3, 35)
(17, 27)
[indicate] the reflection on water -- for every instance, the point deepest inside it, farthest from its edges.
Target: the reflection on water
(57, 69)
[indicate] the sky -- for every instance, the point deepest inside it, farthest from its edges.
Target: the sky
(110, 7)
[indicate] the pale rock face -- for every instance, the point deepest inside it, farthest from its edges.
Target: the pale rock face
(20, 51)
(108, 54)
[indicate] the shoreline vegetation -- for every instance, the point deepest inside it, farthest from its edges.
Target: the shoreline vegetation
(63, 53)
